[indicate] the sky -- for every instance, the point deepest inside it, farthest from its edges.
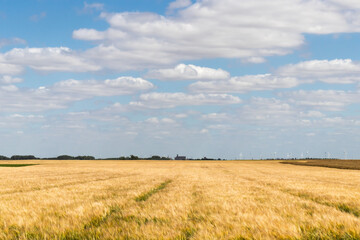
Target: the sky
(230, 79)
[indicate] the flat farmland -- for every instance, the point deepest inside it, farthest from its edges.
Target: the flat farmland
(177, 200)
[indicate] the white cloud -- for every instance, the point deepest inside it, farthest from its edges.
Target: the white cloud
(9, 69)
(215, 116)
(347, 3)
(49, 59)
(88, 34)
(329, 100)
(109, 87)
(111, 57)
(217, 29)
(312, 114)
(204, 131)
(328, 71)
(96, 6)
(254, 60)
(245, 84)
(168, 121)
(171, 100)
(179, 4)
(249, 31)
(155, 120)
(61, 94)
(188, 72)
(11, 41)
(334, 120)
(38, 17)
(271, 110)
(9, 88)
(6, 79)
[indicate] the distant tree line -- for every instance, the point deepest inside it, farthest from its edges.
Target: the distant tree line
(68, 157)
(61, 157)
(133, 157)
(17, 157)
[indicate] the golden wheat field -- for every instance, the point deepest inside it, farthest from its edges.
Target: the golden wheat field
(178, 200)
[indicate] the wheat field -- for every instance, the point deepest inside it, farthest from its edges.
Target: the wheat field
(177, 200)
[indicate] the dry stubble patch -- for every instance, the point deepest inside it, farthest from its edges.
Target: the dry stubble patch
(329, 163)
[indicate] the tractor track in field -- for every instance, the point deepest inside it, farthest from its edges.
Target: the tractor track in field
(116, 210)
(339, 206)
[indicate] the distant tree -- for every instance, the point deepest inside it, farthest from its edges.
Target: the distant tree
(4, 157)
(133, 157)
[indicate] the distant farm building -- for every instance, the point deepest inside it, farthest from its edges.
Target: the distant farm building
(180, 157)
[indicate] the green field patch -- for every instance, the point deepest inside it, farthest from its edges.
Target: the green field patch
(145, 196)
(17, 165)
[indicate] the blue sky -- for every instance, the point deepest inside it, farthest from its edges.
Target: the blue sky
(223, 79)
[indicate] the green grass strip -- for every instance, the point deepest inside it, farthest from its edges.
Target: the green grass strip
(339, 206)
(98, 220)
(145, 196)
(17, 165)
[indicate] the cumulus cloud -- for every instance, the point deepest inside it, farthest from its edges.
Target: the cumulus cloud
(340, 71)
(111, 57)
(267, 109)
(206, 29)
(203, 30)
(329, 100)
(155, 120)
(48, 59)
(328, 71)
(6, 79)
(109, 87)
(253, 60)
(88, 34)
(61, 94)
(245, 84)
(9, 69)
(218, 29)
(188, 72)
(171, 100)
(215, 116)
(11, 41)
(179, 4)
